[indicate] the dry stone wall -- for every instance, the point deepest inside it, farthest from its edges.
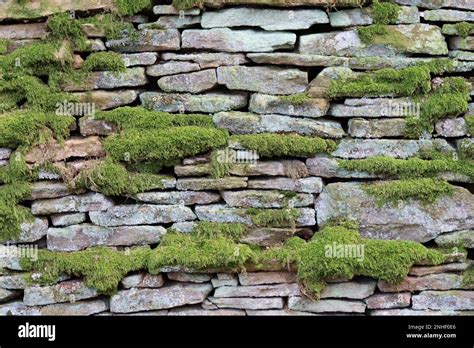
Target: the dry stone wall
(312, 113)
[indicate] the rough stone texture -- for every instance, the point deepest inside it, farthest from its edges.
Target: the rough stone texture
(248, 303)
(211, 184)
(269, 104)
(444, 300)
(450, 267)
(171, 68)
(179, 197)
(307, 185)
(175, 295)
(144, 58)
(171, 10)
(89, 126)
(451, 127)
(58, 309)
(325, 306)
(194, 82)
(82, 236)
(33, 231)
(189, 277)
(245, 123)
(353, 290)
(70, 204)
(74, 147)
(459, 43)
(448, 16)
(104, 100)
(149, 40)
(48, 189)
(277, 290)
(388, 301)
(141, 214)
(362, 16)
(68, 291)
(227, 40)
(411, 220)
(327, 167)
(268, 236)
(209, 102)
(442, 281)
(23, 31)
(259, 278)
(173, 22)
(208, 60)
(224, 281)
(7, 295)
(372, 107)
(132, 77)
(464, 238)
(268, 19)
(5, 153)
(142, 280)
(393, 127)
(266, 199)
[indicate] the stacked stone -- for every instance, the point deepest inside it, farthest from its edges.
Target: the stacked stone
(236, 63)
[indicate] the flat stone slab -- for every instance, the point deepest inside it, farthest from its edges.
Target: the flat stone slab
(363, 16)
(392, 127)
(248, 303)
(259, 278)
(444, 300)
(132, 77)
(306, 185)
(266, 199)
(150, 40)
(353, 289)
(450, 267)
(441, 281)
(104, 100)
(81, 308)
(207, 59)
(23, 31)
(464, 238)
(171, 68)
(194, 82)
(70, 204)
(189, 277)
(273, 290)
(68, 291)
(142, 58)
(142, 280)
(388, 301)
(48, 189)
(270, 104)
(410, 220)
(179, 197)
(200, 184)
(325, 306)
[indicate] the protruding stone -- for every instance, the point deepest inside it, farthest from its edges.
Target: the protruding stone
(103, 100)
(208, 60)
(131, 77)
(179, 197)
(71, 204)
(363, 16)
(374, 107)
(269, 104)
(142, 280)
(23, 31)
(143, 58)
(388, 301)
(200, 184)
(450, 267)
(171, 10)
(307, 185)
(189, 277)
(393, 127)
(448, 16)
(248, 303)
(460, 43)
(194, 82)
(48, 189)
(275, 290)
(150, 40)
(268, 236)
(73, 147)
(444, 300)
(451, 127)
(68, 291)
(196, 311)
(351, 289)
(89, 126)
(61, 220)
(172, 22)
(464, 238)
(266, 199)
(33, 231)
(325, 306)
(441, 281)
(259, 278)
(171, 68)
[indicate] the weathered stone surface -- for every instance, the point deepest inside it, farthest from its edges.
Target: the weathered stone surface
(68, 291)
(103, 100)
(172, 22)
(16, 281)
(5, 153)
(194, 82)
(199, 184)
(269, 104)
(411, 312)
(268, 19)
(223, 213)
(69, 309)
(184, 227)
(67, 219)
(245, 123)
(175, 295)
(363, 16)
(450, 267)
(89, 126)
(422, 38)
(150, 40)
(268, 236)
(132, 77)
(448, 16)
(460, 43)
(227, 40)
(388, 301)
(227, 280)
(48, 189)
(143, 58)
(171, 10)
(208, 60)
(142, 280)
(73, 147)
(33, 231)
(183, 102)
(82, 236)
(140, 214)
(10, 256)
(171, 68)
(307, 185)
(263, 79)
(189, 277)
(248, 303)
(444, 300)
(461, 55)
(306, 305)
(451, 127)
(464, 238)
(7, 295)
(179, 197)
(393, 127)
(410, 220)
(266, 199)
(351, 148)
(465, 4)
(353, 289)
(276, 290)
(277, 312)
(193, 311)
(373, 107)
(441, 281)
(259, 278)
(71, 204)
(23, 31)
(327, 167)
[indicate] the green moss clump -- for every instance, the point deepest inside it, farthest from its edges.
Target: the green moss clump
(464, 29)
(385, 12)
(186, 4)
(368, 34)
(209, 230)
(4, 43)
(466, 150)
(218, 168)
(102, 267)
(109, 61)
(296, 99)
(13, 215)
(470, 124)
(63, 27)
(131, 7)
(468, 276)
(425, 190)
(166, 147)
(113, 26)
(280, 145)
(274, 217)
(140, 118)
(113, 179)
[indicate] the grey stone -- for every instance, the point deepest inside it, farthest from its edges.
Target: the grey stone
(193, 311)
(171, 10)
(259, 278)
(82, 236)
(150, 40)
(31, 231)
(70, 204)
(194, 82)
(393, 127)
(444, 300)
(7, 295)
(246, 123)
(268, 236)
(263, 79)
(227, 280)
(363, 16)
(464, 4)
(388, 301)
(199, 184)
(208, 60)
(189, 277)
(248, 303)
(175, 295)
(267, 19)
(171, 68)
(184, 227)
(23, 31)
(132, 77)
(441, 281)
(273, 290)
(172, 22)
(140, 214)
(461, 55)
(327, 167)
(464, 238)
(373, 107)
(59, 309)
(307, 185)
(269, 104)
(227, 40)
(410, 220)
(68, 291)
(183, 102)
(450, 267)
(448, 16)
(451, 127)
(353, 289)
(48, 189)
(411, 312)
(143, 58)
(142, 280)
(5, 153)
(277, 312)
(460, 43)
(323, 306)
(104, 100)
(179, 197)
(89, 126)
(265, 199)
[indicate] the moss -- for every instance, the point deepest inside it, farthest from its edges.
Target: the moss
(63, 27)
(466, 150)
(4, 43)
(113, 179)
(280, 145)
(113, 26)
(468, 276)
(368, 34)
(385, 12)
(274, 217)
(296, 99)
(167, 147)
(102, 267)
(140, 118)
(131, 7)
(186, 4)
(209, 230)
(470, 124)
(109, 61)
(218, 168)
(425, 190)
(464, 29)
